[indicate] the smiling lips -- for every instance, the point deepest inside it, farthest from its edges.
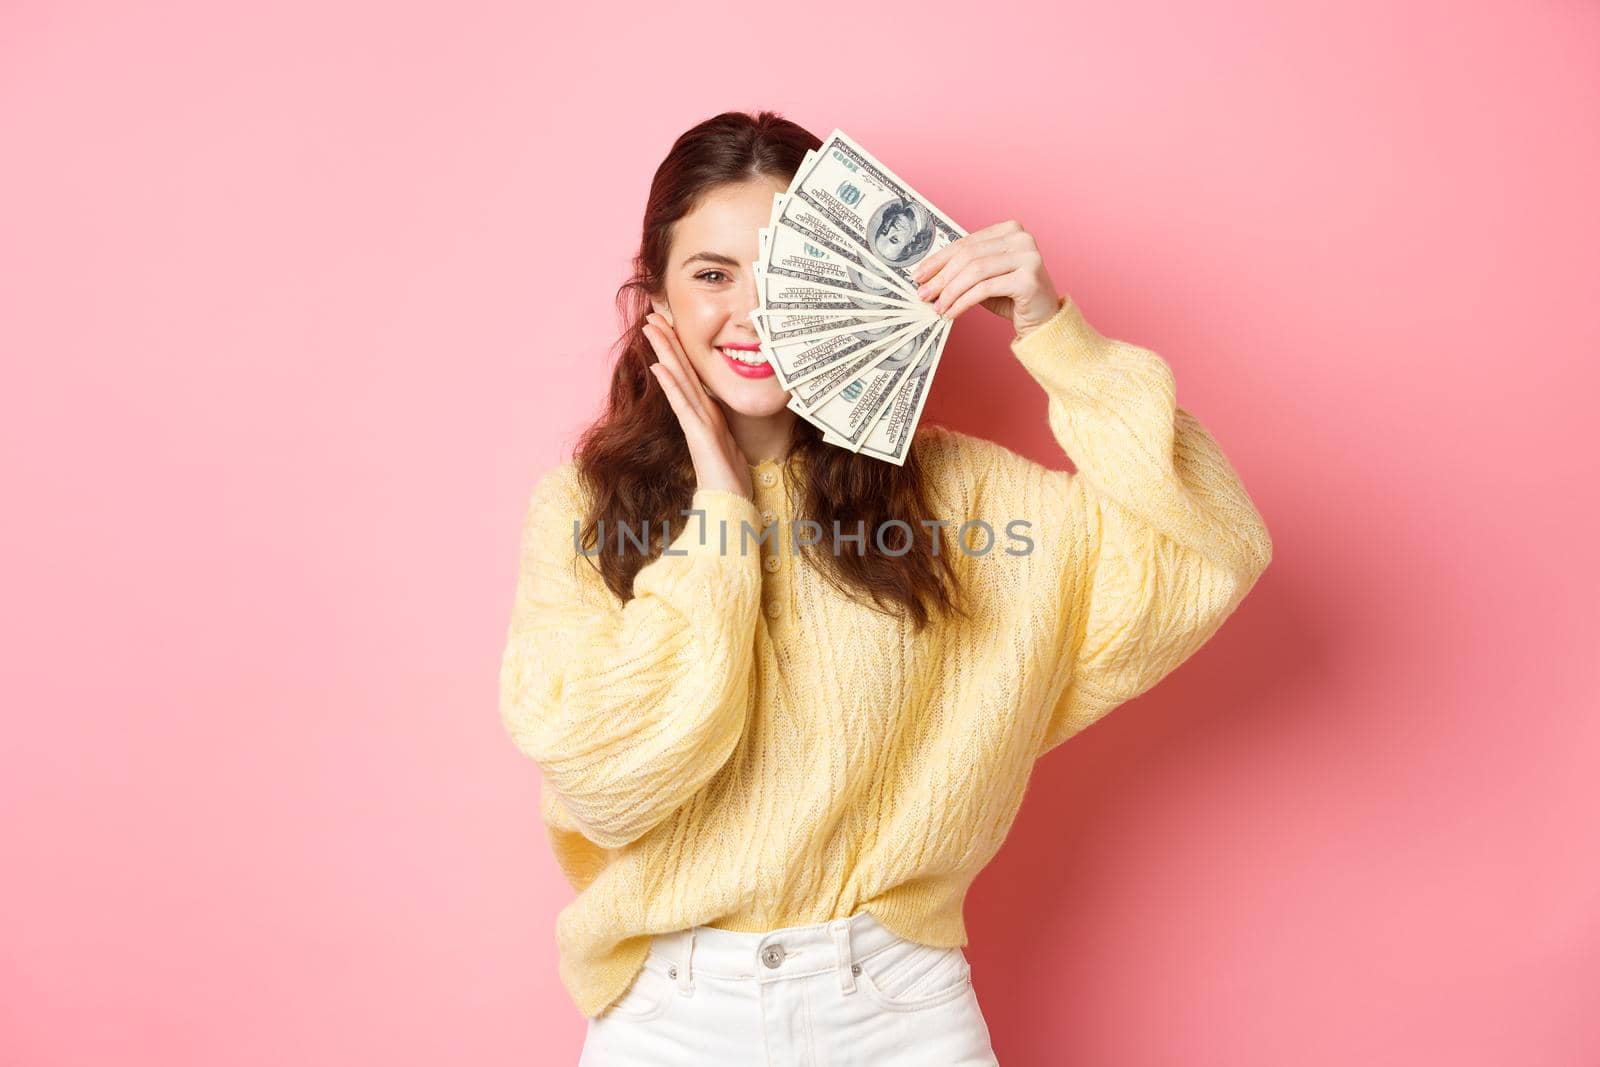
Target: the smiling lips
(746, 360)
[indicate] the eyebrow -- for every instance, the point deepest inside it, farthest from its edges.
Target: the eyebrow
(712, 257)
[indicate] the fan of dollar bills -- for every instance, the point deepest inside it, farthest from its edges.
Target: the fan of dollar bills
(839, 318)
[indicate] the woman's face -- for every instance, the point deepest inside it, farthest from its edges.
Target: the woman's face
(711, 290)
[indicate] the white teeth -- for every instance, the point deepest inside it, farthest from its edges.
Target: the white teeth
(750, 359)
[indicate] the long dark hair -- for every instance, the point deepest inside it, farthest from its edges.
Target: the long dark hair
(634, 461)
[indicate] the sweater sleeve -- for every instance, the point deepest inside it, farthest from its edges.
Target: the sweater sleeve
(1166, 541)
(630, 708)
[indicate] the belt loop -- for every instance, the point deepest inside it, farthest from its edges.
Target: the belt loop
(841, 945)
(685, 979)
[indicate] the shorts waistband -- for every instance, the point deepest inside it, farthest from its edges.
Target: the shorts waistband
(773, 955)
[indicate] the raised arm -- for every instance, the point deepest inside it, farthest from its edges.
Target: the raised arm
(630, 709)
(1168, 540)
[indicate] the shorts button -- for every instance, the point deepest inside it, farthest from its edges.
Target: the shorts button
(772, 955)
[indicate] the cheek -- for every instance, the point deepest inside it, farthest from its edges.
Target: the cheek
(699, 318)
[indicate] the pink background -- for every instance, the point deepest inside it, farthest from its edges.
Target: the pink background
(296, 305)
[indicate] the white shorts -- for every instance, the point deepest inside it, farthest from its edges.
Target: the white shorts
(845, 993)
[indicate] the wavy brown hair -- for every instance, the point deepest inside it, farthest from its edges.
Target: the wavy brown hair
(634, 460)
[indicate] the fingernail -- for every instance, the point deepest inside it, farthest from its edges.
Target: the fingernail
(922, 291)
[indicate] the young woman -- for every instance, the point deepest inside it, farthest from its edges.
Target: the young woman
(772, 768)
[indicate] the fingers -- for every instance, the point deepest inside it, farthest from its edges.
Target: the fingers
(674, 393)
(994, 285)
(680, 364)
(927, 274)
(961, 254)
(669, 350)
(700, 414)
(999, 231)
(680, 358)
(688, 390)
(711, 446)
(969, 274)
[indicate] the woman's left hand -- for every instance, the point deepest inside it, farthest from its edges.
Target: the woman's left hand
(999, 266)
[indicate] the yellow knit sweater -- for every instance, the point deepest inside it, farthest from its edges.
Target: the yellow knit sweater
(742, 746)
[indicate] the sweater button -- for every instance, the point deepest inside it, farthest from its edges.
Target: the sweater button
(773, 609)
(768, 477)
(772, 955)
(772, 563)
(768, 518)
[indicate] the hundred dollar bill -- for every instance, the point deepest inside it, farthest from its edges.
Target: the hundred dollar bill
(800, 266)
(787, 253)
(899, 417)
(832, 279)
(805, 165)
(808, 394)
(816, 389)
(780, 327)
(793, 359)
(850, 413)
(799, 363)
(889, 226)
(799, 215)
(892, 432)
(788, 293)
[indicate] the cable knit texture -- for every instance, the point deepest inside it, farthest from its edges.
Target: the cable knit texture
(743, 746)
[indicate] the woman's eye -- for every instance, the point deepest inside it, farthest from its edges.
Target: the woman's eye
(704, 274)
